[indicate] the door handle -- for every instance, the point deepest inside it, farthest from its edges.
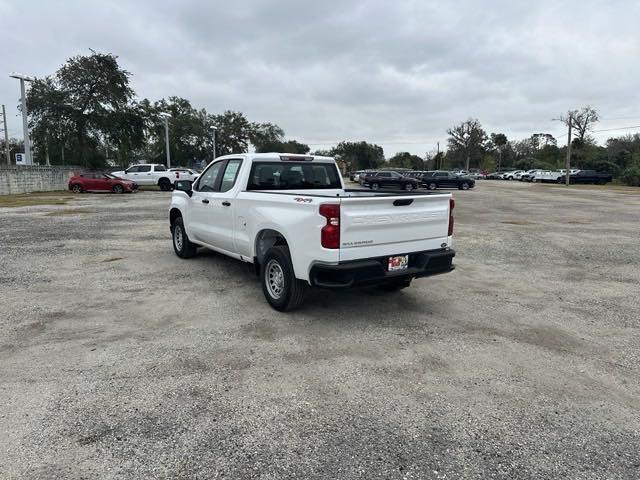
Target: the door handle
(226, 204)
(205, 201)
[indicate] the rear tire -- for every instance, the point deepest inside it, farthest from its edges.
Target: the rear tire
(76, 188)
(464, 186)
(281, 288)
(432, 186)
(181, 243)
(164, 184)
(375, 186)
(396, 285)
(408, 187)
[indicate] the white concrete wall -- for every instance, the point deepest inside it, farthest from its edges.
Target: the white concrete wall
(33, 179)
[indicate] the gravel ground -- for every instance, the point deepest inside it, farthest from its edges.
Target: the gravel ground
(120, 361)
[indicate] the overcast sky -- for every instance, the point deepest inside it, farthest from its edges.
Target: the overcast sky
(397, 73)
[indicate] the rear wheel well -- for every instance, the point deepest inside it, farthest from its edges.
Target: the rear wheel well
(264, 241)
(173, 214)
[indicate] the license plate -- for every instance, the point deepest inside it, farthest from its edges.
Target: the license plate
(398, 263)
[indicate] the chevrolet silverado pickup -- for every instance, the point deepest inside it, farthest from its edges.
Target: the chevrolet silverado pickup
(291, 216)
(150, 174)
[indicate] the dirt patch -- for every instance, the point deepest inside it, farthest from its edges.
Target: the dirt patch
(34, 199)
(69, 211)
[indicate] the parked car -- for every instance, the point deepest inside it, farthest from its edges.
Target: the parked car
(184, 173)
(515, 175)
(386, 178)
(149, 174)
(443, 179)
(291, 216)
(528, 175)
(587, 176)
(100, 182)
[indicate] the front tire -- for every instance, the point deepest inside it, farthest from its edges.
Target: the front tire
(464, 186)
(432, 186)
(118, 189)
(181, 243)
(281, 288)
(408, 187)
(375, 186)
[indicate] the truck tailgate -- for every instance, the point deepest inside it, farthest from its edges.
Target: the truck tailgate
(393, 225)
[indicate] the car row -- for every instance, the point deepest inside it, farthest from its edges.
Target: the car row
(412, 180)
(130, 179)
(553, 176)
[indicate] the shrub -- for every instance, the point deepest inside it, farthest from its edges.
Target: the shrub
(631, 176)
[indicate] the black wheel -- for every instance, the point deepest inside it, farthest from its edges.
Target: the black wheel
(164, 184)
(464, 186)
(408, 187)
(395, 285)
(375, 186)
(560, 180)
(280, 286)
(432, 186)
(76, 188)
(118, 189)
(181, 243)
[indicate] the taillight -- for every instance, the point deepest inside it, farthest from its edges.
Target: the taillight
(452, 204)
(177, 175)
(330, 236)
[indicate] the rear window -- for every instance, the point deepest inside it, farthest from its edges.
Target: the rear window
(285, 175)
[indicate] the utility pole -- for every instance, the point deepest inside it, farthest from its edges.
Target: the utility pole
(25, 115)
(213, 132)
(438, 161)
(568, 162)
(6, 136)
(166, 117)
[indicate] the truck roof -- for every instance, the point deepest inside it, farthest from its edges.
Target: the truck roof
(279, 156)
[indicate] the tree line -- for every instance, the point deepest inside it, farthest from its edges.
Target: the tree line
(87, 114)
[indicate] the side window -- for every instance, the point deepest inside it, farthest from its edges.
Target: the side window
(144, 168)
(207, 181)
(160, 168)
(230, 175)
(132, 170)
(442, 174)
(385, 174)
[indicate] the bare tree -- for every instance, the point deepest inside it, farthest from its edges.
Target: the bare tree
(581, 121)
(468, 137)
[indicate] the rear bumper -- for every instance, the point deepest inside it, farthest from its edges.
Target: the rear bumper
(373, 271)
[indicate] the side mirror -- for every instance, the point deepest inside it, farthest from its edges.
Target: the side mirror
(185, 186)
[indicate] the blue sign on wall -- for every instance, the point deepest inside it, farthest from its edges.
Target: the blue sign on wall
(19, 158)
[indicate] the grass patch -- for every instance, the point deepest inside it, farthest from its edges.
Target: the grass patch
(36, 198)
(69, 211)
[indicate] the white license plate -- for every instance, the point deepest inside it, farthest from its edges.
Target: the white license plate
(400, 262)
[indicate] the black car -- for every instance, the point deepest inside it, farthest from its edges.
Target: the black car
(587, 176)
(376, 180)
(442, 179)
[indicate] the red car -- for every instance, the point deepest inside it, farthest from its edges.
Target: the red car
(100, 182)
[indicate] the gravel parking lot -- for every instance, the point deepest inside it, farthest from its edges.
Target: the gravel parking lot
(119, 360)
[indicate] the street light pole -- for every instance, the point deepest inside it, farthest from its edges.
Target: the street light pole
(25, 117)
(213, 131)
(166, 117)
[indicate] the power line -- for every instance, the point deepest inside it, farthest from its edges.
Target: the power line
(617, 128)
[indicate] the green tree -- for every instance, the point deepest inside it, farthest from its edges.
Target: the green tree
(359, 155)
(468, 139)
(498, 142)
(72, 107)
(406, 160)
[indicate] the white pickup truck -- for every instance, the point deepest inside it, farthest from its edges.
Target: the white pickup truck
(291, 216)
(150, 174)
